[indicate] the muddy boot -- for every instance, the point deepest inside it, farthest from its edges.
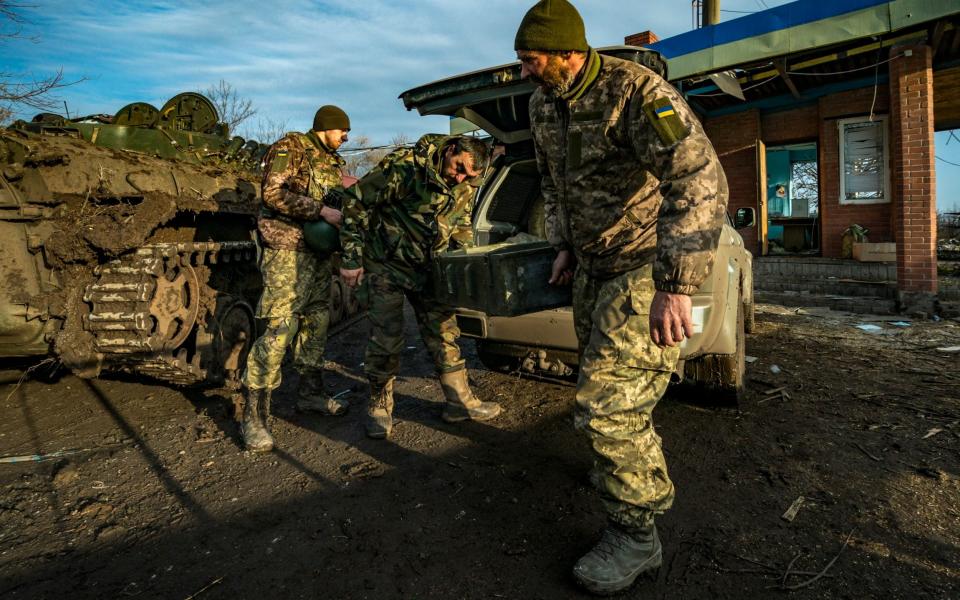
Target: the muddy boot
(461, 403)
(618, 558)
(379, 419)
(256, 411)
(313, 398)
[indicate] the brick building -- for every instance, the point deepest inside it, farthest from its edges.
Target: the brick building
(823, 114)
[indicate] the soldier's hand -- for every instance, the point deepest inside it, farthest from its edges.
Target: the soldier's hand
(562, 272)
(331, 215)
(671, 318)
(352, 277)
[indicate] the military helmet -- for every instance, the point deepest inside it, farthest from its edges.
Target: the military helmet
(322, 237)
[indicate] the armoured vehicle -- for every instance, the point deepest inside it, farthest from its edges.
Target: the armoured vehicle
(510, 209)
(129, 242)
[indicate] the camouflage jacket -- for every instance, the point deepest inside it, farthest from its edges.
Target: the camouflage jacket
(299, 171)
(402, 213)
(629, 176)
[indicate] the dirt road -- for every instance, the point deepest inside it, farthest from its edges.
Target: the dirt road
(164, 504)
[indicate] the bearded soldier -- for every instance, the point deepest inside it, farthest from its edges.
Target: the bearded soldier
(635, 200)
(416, 203)
(300, 171)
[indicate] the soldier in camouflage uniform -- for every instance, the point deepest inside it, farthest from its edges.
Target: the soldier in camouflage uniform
(300, 171)
(415, 203)
(635, 200)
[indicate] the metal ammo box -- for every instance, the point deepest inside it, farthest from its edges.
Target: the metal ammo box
(501, 280)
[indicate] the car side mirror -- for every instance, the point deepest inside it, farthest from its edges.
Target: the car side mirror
(744, 217)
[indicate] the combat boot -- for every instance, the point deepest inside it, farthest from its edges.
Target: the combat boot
(253, 428)
(461, 403)
(618, 558)
(379, 421)
(313, 398)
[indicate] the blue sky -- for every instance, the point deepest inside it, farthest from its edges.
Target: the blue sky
(290, 56)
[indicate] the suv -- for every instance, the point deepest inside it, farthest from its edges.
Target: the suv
(509, 207)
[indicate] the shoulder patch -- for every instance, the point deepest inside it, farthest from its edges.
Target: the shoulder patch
(665, 121)
(280, 161)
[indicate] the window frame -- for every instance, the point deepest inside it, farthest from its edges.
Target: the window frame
(884, 121)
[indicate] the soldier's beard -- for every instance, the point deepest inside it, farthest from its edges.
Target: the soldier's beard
(557, 78)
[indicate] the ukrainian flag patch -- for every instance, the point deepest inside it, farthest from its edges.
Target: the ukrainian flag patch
(665, 121)
(665, 111)
(280, 161)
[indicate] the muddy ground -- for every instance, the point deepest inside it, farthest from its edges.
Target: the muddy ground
(164, 504)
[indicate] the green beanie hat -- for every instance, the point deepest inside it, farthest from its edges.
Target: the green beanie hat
(551, 25)
(330, 117)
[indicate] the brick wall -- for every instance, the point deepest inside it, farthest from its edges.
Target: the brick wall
(735, 139)
(644, 38)
(790, 126)
(911, 92)
(835, 218)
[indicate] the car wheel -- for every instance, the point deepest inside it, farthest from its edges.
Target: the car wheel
(723, 375)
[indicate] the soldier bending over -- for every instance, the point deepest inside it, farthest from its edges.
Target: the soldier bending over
(416, 203)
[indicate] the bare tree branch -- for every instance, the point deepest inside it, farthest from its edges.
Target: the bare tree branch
(21, 89)
(360, 157)
(233, 108)
(11, 21)
(266, 131)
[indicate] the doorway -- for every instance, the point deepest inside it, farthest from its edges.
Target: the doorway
(792, 200)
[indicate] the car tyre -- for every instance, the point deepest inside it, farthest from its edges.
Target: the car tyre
(722, 375)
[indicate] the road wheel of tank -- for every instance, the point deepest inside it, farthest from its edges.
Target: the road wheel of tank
(225, 342)
(337, 304)
(722, 375)
(175, 306)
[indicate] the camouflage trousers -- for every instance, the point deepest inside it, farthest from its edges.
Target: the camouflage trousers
(438, 329)
(295, 303)
(623, 374)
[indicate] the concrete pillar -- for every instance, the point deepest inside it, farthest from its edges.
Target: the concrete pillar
(913, 177)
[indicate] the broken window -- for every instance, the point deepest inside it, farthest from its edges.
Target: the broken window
(865, 176)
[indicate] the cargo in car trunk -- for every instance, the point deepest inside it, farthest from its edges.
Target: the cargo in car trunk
(501, 280)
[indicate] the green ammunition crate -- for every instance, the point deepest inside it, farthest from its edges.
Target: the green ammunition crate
(501, 280)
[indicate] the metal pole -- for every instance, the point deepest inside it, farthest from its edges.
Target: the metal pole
(711, 12)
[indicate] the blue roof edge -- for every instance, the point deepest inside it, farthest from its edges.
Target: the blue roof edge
(773, 19)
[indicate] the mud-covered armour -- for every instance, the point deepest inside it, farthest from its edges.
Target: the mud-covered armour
(299, 171)
(402, 213)
(626, 163)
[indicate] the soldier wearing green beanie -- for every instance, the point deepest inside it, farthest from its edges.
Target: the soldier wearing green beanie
(331, 118)
(552, 25)
(300, 172)
(636, 229)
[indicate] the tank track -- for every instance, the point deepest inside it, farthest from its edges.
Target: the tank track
(146, 306)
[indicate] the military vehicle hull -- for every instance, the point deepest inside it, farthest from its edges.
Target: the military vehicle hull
(120, 255)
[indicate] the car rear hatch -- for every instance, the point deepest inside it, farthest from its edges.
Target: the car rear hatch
(495, 99)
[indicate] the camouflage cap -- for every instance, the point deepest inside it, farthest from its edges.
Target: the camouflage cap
(331, 117)
(551, 25)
